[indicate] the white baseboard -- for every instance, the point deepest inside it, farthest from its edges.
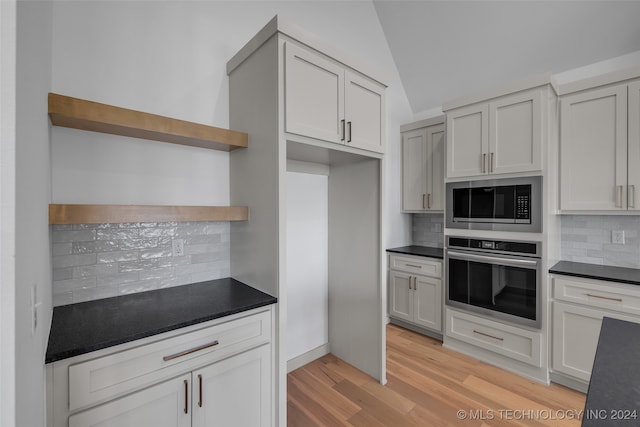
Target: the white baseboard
(307, 357)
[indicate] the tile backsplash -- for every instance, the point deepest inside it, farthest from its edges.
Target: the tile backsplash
(93, 261)
(427, 229)
(588, 238)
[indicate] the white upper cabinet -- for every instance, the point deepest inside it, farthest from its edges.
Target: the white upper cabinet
(515, 134)
(503, 135)
(633, 172)
(593, 150)
(314, 97)
(423, 169)
(325, 100)
(467, 141)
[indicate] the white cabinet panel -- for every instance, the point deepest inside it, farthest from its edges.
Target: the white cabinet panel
(414, 169)
(593, 150)
(427, 302)
(516, 343)
(423, 169)
(401, 301)
(163, 405)
(633, 182)
(234, 392)
(576, 330)
(467, 141)
(314, 98)
(515, 133)
(435, 167)
(364, 113)
(420, 265)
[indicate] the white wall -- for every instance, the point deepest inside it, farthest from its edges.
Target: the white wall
(33, 194)
(307, 262)
(169, 58)
(7, 213)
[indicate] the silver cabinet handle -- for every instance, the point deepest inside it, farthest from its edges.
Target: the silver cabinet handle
(199, 390)
(342, 133)
(349, 130)
(619, 198)
(186, 396)
(603, 297)
(423, 203)
(631, 196)
(191, 350)
(429, 201)
(491, 163)
(487, 335)
(484, 162)
(413, 265)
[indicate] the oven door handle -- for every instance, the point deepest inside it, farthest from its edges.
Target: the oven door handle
(525, 263)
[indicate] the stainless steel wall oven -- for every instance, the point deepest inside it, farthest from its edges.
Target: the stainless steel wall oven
(498, 278)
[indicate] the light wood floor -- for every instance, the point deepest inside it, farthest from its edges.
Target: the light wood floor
(427, 386)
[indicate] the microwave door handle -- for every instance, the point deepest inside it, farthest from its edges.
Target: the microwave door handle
(525, 263)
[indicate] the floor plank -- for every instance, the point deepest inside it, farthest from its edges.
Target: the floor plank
(427, 386)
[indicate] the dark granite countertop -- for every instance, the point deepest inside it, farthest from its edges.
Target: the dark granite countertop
(425, 251)
(599, 272)
(84, 327)
(614, 390)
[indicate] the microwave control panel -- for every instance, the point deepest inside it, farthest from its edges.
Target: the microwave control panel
(523, 210)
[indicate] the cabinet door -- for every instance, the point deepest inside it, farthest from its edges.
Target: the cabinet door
(634, 147)
(435, 168)
(400, 298)
(467, 141)
(364, 113)
(515, 131)
(235, 391)
(414, 170)
(427, 303)
(593, 150)
(576, 330)
(314, 101)
(164, 405)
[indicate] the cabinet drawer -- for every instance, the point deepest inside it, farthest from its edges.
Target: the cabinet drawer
(518, 344)
(417, 265)
(601, 294)
(110, 376)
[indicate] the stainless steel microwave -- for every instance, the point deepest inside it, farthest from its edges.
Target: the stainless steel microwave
(507, 204)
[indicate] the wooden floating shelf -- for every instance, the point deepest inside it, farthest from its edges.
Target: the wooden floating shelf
(107, 214)
(78, 113)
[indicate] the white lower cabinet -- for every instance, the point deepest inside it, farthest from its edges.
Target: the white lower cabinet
(506, 340)
(579, 306)
(416, 298)
(234, 392)
(163, 405)
(214, 374)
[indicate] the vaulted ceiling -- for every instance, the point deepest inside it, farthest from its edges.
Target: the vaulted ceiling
(447, 49)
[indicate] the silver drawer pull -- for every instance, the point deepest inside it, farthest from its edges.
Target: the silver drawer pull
(413, 265)
(487, 335)
(607, 298)
(191, 350)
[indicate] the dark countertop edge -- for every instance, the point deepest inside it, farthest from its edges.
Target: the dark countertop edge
(417, 250)
(101, 346)
(597, 272)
